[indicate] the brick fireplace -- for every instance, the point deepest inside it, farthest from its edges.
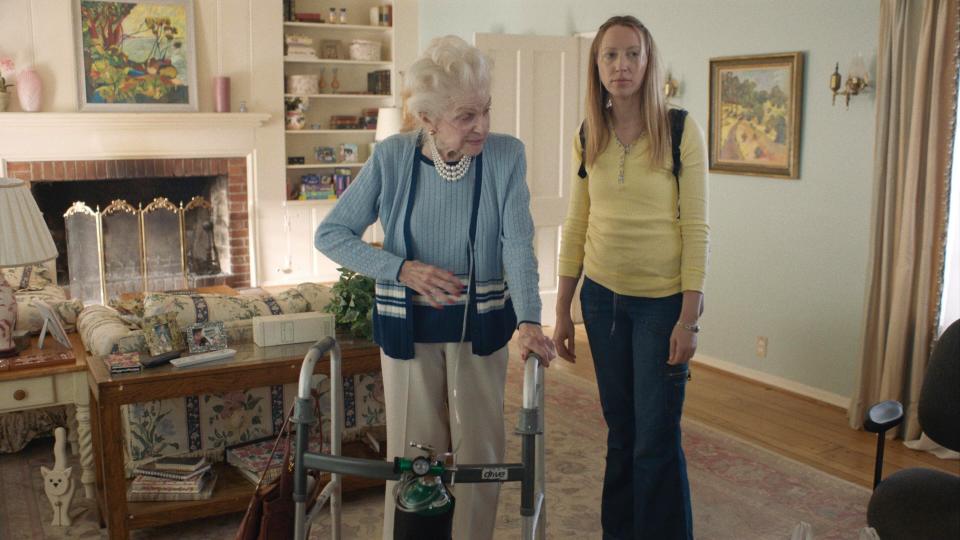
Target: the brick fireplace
(234, 170)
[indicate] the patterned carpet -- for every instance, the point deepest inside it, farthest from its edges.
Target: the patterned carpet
(739, 491)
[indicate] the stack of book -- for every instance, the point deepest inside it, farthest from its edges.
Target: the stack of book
(173, 479)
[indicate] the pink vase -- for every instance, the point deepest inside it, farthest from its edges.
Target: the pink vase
(221, 94)
(29, 90)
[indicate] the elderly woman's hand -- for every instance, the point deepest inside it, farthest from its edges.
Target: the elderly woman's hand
(531, 339)
(437, 285)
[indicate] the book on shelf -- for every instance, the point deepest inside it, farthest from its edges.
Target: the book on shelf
(205, 492)
(146, 483)
(250, 458)
(180, 463)
(149, 470)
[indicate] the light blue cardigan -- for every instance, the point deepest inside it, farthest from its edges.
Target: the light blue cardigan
(503, 247)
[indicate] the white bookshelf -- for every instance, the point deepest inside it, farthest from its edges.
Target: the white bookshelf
(350, 99)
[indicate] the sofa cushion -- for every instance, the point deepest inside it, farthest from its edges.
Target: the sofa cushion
(35, 276)
(317, 296)
(29, 318)
(200, 308)
(102, 327)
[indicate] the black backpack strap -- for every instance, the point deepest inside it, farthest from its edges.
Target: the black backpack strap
(582, 173)
(677, 118)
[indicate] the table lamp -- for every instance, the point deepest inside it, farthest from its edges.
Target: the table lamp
(24, 240)
(389, 120)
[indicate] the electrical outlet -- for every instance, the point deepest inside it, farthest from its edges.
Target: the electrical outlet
(761, 346)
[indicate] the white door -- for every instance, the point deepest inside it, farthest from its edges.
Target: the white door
(535, 96)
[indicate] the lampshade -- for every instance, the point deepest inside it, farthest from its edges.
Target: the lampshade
(389, 120)
(24, 237)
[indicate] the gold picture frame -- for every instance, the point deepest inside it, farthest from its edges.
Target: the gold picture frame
(163, 334)
(756, 107)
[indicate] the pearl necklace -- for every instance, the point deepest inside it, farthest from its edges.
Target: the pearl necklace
(450, 173)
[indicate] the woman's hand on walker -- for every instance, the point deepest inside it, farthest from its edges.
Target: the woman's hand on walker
(437, 285)
(564, 337)
(683, 343)
(531, 339)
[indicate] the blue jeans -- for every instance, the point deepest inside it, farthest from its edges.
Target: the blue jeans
(645, 488)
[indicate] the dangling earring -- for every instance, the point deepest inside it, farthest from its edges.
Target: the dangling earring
(609, 103)
(432, 132)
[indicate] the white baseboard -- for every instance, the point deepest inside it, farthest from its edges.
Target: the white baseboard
(779, 382)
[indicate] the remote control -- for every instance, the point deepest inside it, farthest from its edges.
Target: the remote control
(194, 359)
(159, 360)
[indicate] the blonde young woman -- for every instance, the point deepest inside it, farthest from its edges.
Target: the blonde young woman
(640, 237)
(453, 201)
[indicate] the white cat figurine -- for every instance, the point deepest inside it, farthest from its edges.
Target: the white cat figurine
(57, 482)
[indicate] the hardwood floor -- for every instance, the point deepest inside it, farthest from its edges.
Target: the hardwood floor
(794, 426)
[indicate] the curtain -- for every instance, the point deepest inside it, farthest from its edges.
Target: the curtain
(915, 106)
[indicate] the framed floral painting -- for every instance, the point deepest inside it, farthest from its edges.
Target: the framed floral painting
(755, 114)
(136, 55)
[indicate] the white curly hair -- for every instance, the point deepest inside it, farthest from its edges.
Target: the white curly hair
(449, 70)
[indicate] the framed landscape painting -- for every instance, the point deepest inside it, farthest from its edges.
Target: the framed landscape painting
(136, 55)
(755, 114)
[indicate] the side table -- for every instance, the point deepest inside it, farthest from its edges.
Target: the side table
(65, 384)
(252, 367)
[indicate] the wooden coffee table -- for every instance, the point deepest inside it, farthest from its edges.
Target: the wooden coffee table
(251, 368)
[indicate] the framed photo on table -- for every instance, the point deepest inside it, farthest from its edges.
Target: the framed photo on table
(163, 334)
(755, 114)
(135, 55)
(206, 337)
(51, 324)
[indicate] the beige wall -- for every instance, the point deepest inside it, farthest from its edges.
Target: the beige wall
(788, 257)
(238, 38)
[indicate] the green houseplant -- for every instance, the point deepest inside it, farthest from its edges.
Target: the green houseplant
(352, 303)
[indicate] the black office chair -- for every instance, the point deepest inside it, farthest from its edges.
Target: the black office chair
(921, 504)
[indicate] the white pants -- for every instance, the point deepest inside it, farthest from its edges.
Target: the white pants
(418, 392)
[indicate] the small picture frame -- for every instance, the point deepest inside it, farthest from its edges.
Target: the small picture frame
(349, 153)
(330, 49)
(206, 337)
(326, 154)
(163, 334)
(51, 324)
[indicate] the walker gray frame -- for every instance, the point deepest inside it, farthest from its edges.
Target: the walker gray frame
(530, 472)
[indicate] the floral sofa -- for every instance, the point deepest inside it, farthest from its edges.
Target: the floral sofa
(205, 424)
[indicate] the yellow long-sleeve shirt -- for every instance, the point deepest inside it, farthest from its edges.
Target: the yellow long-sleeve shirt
(626, 236)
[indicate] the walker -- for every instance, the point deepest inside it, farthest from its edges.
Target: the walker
(421, 473)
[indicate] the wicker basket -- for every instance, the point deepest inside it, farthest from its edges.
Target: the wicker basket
(303, 84)
(362, 49)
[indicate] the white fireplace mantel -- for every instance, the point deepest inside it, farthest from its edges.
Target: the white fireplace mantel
(75, 135)
(132, 120)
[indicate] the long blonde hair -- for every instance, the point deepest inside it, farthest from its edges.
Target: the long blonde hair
(653, 104)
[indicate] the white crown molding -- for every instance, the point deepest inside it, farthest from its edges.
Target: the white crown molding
(141, 120)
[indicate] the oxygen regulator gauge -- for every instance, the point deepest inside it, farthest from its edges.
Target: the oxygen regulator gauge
(420, 466)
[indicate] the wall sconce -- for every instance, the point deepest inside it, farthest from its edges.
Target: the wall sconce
(857, 80)
(670, 86)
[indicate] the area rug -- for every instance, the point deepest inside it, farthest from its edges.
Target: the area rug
(740, 491)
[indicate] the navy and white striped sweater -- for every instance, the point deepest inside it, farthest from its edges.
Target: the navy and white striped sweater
(503, 246)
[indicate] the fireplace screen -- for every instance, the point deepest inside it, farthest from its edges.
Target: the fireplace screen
(159, 247)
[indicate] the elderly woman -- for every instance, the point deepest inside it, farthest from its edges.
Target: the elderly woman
(454, 206)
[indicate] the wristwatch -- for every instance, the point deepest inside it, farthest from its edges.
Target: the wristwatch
(695, 327)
